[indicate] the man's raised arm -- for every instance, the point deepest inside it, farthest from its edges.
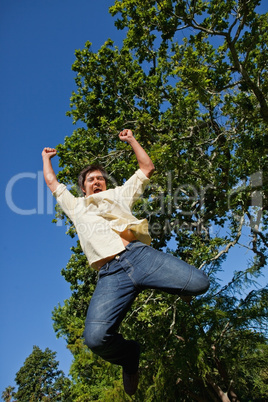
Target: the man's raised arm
(49, 174)
(144, 161)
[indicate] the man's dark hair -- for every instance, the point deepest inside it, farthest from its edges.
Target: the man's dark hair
(89, 169)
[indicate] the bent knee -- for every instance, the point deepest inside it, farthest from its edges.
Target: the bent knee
(199, 283)
(204, 283)
(95, 336)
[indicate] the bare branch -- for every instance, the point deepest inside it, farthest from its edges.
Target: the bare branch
(229, 245)
(139, 308)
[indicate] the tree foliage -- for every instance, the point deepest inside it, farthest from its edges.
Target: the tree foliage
(190, 79)
(39, 379)
(8, 393)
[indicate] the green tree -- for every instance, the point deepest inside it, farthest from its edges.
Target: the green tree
(191, 80)
(8, 393)
(39, 379)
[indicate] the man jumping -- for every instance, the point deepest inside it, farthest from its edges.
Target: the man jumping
(117, 244)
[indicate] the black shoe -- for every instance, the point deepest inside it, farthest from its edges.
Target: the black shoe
(130, 382)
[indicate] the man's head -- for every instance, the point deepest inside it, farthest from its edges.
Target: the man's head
(92, 180)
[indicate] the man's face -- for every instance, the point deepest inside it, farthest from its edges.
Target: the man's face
(94, 183)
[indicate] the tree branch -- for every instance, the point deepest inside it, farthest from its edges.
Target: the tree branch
(229, 245)
(222, 395)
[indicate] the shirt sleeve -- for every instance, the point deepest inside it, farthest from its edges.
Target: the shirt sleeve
(66, 200)
(134, 187)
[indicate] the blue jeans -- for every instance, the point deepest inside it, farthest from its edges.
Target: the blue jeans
(120, 281)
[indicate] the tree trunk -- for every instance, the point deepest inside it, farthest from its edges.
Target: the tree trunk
(222, 395)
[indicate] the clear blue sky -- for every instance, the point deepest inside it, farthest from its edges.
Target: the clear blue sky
(37, 40)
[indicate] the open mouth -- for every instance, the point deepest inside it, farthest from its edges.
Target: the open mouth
(97, 190)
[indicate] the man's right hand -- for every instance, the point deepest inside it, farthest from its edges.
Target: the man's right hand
(49, 152)
(49, 174)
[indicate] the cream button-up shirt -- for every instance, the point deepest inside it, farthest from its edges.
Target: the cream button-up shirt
(100, 218)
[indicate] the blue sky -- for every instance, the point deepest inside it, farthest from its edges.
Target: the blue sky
(38, 40)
